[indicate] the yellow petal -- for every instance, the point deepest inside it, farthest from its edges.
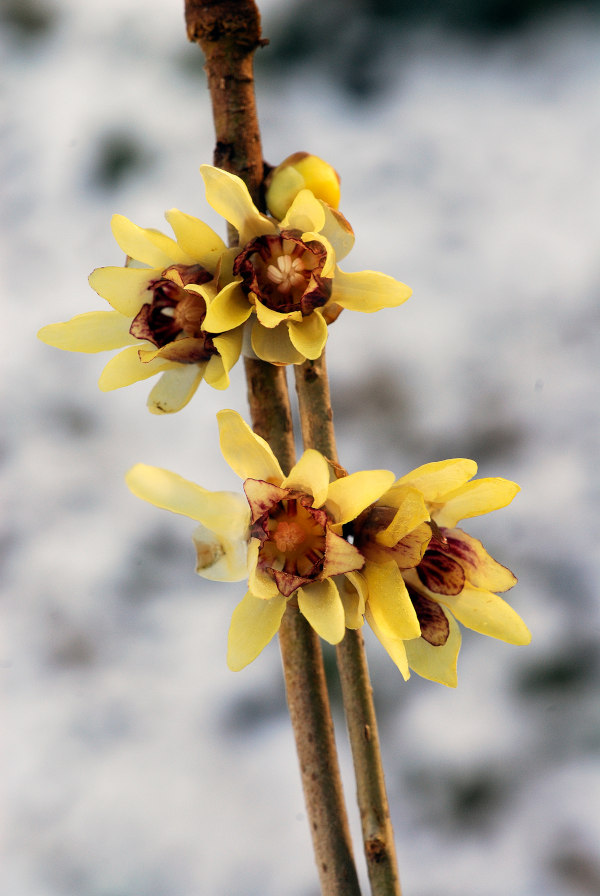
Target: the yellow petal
(309, 335)
(229, 309)
(322, 606)
(368, 291)
(126, 368)
(220, 558)
(436, 663)
(389, 602)
(229, 346)
(260, 583)
(353, 592)
(270, 318)
(175, 388)
(411, 513)
(348, 497)
(305, 213)
(481, 570)
(438, 478)
(229, 197)
(475, 498)
(328, 269)
(147, 245)
(125, 288)
(196, 238)
(394, 646)
(486, 613)
(95, 331)
(253, 624)
(310, 475)
(247, 454)
(274, 346)
(338, 232)
(224, 513)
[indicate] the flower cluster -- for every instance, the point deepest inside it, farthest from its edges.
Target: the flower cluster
(180, 306)
(343, 549)
(364, 546)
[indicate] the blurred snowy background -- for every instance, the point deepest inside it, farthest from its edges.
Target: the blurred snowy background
(134, 763)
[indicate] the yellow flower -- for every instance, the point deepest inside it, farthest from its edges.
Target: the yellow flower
(286, 273)
(423, 574)
(159, 302)
(284, 535)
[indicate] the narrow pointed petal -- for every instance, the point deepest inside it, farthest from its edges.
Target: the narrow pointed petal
(305, 213)
(126, 289)
(253, 625)
(221, 559)
(224, 513)
(475, 498)
(348, 497)
(488, 614)
(175, 388)
(389, 602)
(95, 331)
(395, 647)
(247, 454)
(196, 238)
(411, 513)
(310, 475)
(229, 309)
(481, 570)
(309, 335)
(438, 478)
(229, 197)
(436, 663)
(147, 245)
(274, 346)
(126, 368)
(368, 291)
(321, 604)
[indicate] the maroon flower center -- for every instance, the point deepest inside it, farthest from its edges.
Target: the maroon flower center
(293, 538)
(284, 272)
(175, 313)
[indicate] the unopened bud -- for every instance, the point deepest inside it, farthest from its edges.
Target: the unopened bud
(301, 171)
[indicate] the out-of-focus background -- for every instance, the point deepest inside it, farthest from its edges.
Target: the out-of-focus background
(467, 136)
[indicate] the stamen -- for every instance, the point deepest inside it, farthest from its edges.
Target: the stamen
(287, 273)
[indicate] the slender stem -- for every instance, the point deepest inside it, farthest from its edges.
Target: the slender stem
(229, 32)
(316, 418)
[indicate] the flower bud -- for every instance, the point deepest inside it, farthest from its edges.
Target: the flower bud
(301, 171)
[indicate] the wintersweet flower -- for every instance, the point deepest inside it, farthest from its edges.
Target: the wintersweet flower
(285, 273)
(423, 574)
(284, 535)
(159, 301)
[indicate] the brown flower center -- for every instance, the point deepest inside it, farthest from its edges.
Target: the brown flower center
(175, 313)
(284, 273)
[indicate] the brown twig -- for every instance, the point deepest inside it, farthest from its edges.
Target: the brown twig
(316, 418)
(229, 33)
